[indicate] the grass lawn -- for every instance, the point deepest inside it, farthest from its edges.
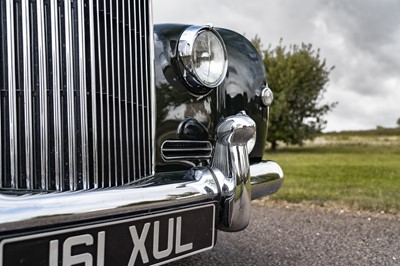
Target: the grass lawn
(362, 175)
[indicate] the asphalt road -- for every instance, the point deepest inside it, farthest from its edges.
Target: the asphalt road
(282, 235)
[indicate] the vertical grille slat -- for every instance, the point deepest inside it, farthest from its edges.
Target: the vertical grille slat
(101, 87)
(3, 39)
(132, 98)
(42, 96)
(27, 95)
(93, 91)
(69, 56)
(75, 94)
(58, 155)
(120, 165)
(108, 78)
(141, 111)
(83, 93)
(112, 98)
(124, 27)
(12, 98)
(137, 84)
(147, 89)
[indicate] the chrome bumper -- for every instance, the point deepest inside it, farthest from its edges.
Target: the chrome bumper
(230, 181)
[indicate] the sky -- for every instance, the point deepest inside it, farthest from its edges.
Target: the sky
(361, 38)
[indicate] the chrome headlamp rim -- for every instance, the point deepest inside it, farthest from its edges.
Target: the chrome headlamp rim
(185, 57)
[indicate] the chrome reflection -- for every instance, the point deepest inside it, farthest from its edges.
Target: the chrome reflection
(231, 157)
(161, 191)
(266, 179)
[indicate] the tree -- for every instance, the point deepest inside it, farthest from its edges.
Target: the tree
(398, 122)
(298, 78)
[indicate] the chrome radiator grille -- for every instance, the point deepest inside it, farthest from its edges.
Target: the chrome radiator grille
(75, 94)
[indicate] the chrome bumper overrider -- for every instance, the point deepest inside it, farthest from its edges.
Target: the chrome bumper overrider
(230, 181)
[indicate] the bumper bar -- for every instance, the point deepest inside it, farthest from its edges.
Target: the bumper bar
(230, 181)
(161, 191)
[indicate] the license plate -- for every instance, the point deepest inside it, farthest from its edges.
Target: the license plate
(147, 240)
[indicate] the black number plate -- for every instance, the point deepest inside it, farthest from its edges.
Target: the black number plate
(146, 240)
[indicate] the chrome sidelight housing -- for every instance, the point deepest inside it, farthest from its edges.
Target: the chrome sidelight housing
(231, 157)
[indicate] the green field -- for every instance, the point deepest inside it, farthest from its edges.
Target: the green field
(352, 170)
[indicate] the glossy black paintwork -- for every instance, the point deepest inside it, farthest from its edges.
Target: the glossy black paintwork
(191, 129)
(245, 77)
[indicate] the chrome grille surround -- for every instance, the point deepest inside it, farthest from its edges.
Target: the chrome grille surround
(76, 94)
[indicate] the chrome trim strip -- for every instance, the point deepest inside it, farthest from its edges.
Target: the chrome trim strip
(112, 49)
(93, 92)
(107, 94)
(70, 98)
(128, 160)
(121, 166)
(102, 137)
(147, 87)
(152, 87)
(83, 95)
(12, 90)
(139, 155)
(58, 154)
(44, 139)
(132, 88)
(142, 103)
(27, 95)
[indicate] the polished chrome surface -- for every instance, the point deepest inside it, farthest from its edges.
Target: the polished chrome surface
(231, 157)
(78, 104)
(267, 97)
(185, 55)
(107, 75)
(43, 110)
(124, 56)
(186, 150)
(164, 190)
(72, 171)
(59, 157)
(93, 87)
(197, 185)
(12, 100)
(27, 95)
(83, 95)
(266, 179)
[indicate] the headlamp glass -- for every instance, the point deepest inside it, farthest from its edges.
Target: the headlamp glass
(202, 55)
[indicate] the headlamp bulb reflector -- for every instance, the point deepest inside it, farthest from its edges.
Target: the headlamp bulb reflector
(202, 55)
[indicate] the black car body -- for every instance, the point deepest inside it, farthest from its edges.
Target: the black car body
(121, 142)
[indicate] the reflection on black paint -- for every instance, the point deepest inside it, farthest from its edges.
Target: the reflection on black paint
(246, 75)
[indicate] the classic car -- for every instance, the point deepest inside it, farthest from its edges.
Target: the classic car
(124, 142)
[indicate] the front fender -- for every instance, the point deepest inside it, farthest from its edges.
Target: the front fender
(239, 91)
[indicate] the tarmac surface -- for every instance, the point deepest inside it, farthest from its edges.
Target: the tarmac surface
(303, 235)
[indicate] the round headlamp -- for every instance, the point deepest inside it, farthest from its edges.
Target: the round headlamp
(202, 57)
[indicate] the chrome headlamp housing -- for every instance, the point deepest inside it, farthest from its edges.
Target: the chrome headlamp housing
(202, 58)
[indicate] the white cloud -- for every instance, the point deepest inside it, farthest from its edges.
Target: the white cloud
(360, 37)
